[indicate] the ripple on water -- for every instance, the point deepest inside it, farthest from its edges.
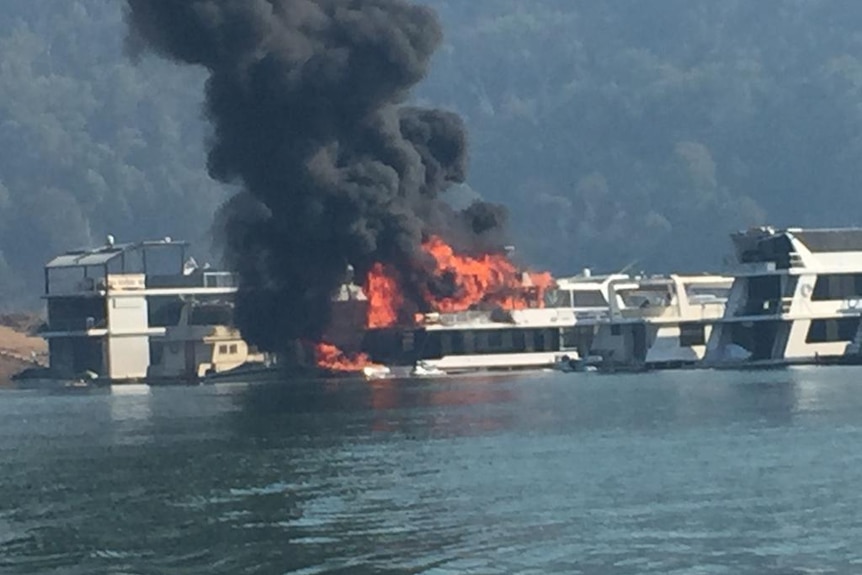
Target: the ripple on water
(684, 473)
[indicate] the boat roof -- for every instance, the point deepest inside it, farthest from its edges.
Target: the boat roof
(829, 239)
(588, 280)
(102, 255)
(815, 240)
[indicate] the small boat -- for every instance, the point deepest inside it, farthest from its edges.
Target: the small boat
(376, 372)
(568, 364)
(423, 369)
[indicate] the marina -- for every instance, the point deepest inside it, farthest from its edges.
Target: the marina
(146, 312)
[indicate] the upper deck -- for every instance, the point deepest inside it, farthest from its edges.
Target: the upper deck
(159, 267)
(794, 251)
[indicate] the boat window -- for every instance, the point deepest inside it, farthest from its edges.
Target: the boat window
(764, 295)
(233, 349)
(837, 286)
(828, 330)
(453, 342)
(457, 342)
(692, 334)
(495, 339)
(644, 298)
(210, 315)
(579, 338)
(164, 311)
(76, 314)
(519, 342)
(593, 298)
(539, 340)
(558, 298)
(788, 286)
(432, 345)
(469, 341)
(552, 340)
(705, 293)
(222, 349)
(408, 340)
(546, 339)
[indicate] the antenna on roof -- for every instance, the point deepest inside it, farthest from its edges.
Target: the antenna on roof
(628, 267)
(110, 241)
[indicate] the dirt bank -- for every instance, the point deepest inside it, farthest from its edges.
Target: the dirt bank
(19, 347)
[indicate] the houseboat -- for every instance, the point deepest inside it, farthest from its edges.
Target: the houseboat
(561, 328)
(203, 343)
(796, 298)
(661, 321)
(125, 312)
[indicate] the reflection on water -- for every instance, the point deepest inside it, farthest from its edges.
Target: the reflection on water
(408, 406)
(686, 472)
(130, 410)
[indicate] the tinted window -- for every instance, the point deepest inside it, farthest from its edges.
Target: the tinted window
(827, 330)
(692, 334)
(837, 286)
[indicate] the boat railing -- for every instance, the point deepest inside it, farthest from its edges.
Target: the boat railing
(753, 268)
(762, 307)
(205, 279)
(76, 324)
(649, 312)
(462, 317)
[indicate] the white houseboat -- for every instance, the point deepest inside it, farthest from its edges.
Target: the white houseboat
(535, 337)
(126, 312)
(796, 298)
(661, 321)
(203, 343)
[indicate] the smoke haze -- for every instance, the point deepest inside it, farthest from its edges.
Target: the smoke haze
(306, 101)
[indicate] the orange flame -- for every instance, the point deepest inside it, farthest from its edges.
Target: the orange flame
(489, 279)
(384, 297)
(329, 357)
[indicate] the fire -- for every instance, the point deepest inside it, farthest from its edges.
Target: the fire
(486, 279)
(384, 297)
(490, 278)
(329, 357)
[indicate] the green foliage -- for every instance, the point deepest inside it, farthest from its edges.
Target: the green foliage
(615, 131)
(627, 130)
(91, 143)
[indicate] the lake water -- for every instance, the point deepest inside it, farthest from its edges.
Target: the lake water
(676, 472)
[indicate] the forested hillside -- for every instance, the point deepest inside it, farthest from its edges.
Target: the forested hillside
(91, 143)
(618, 131)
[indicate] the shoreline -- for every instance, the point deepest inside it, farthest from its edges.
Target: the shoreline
(19, 346)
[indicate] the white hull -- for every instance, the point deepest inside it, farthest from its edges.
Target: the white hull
(535, 360)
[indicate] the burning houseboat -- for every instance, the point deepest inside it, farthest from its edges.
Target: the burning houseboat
(558, 320)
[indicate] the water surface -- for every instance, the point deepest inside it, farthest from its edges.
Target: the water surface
(675, 472)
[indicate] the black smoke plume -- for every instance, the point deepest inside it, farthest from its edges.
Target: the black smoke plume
(306, 100)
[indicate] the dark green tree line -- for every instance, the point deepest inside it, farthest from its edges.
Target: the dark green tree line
(617, 131)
